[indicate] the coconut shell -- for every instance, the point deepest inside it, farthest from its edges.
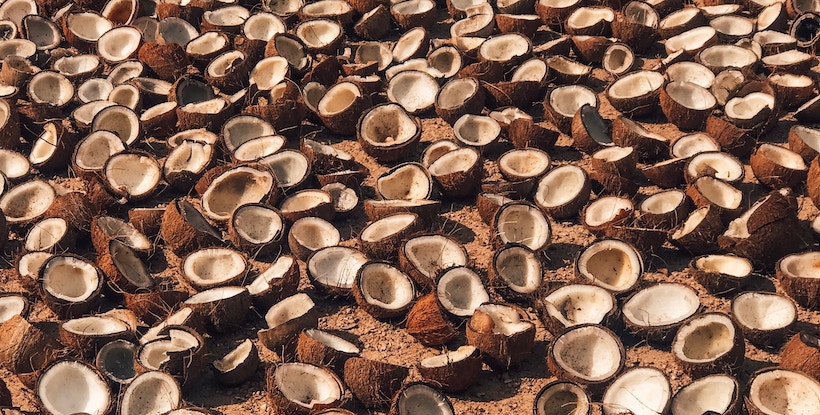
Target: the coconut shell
(563, 374)
(427, 323)
(283, 338)
(554, 15)
(488, 204)
(67, 308)
(283, 405)
(813, 181)
(372, 382)
(639, 37)
(581, 138)
(725, 363)
(242, 372)
(486, 71)
(717, 283)
(311, 351)
(802, 352)
(187, 120)
(375, 24)
(227, 314)
(684, 118)
(344, 122)
(10, 130)
(500, 351)
(614, 184)
(591, 49)
(456, 376)
(520, 94)
(88, 345)
(732, 139)
(572, 207)
(462, 184)
(666, 174)
(769, 243)
(700, 200)
(186, 366)
(25, 348)
(153, 306)
(387, 153)
(612, 319)
(169, 61)
(767, 339)
(775, 175)
(520, 189)
(184, 229)
(525, 133)
(703, 238)
(376, 310)
(666, 220)
(646, 240)
(426, 210)
(280, 288)
(510, 23)
(799, 146)
(472, 105)
(146, 220)
(117, 273)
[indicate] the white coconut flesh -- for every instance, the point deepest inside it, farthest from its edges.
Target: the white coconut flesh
(437, 149)
(504, 48)
(76, 65)
(533, 70)
(211, 106)
(789, 57)
(409, 43)
(235, 188)
(157, 352)
(88, 26)
(132, 174)
(704, 339)
(562, 398)
(417, 64)
(27, 201)
(640, 391)
(805, 265)
(506, 319)
(288, 309)
(606, 209)
(207, 43)
(385, 286)
(375, 52)
(679, 17)
(123, 231)
(10, 306)
(507, 115)
(277, 270)
(16, 10)
(315, 233)
(95, 326)
(257, 224)
(691, 96)
(711, 393)
(332, 341)
(720, 10)
(691, 72)
(263, 26)
(189, 156)
(720, 165)
(769, 15)
(781, 392)
(258, 148)
(566, 100)
(45, 234)
(618, 58)
(432, 253)
(13, 165)
(560, 186)
(178, 318)
(691, 144)
(151, 393)
(213, 266)
(641, 13)
(446, 59)
(305, 200)
(407, 182)
(118, 44)
(636, 84)
(318, 33)
(19, 47)
(589, 353)
(387, 227)
(126, 95)
(227, 16)
(525, 162)
(307, 385)
(727, 56)
(422, 399)
(719, 192)
(336, 266)
(568, 67)
(225, 63)
(289, 166)
(749, 106)
(448, 358)
(413, 90)
(733, 25)
(215, 295)
(410, 7)
(773, 37)
(70, 387)
(30, 263)
(519, 268)
(691, 40)
(69, 278)
(725, 265)
(456, 161)
(50, 87)
(235, 357)
(661, 305)
(388, 125)
(524, 224)
(589, 16)
(791, 81)
(176, 30)
(85, 113)
(763, 311)
(663, 202)
(327, 8)
(243, 128)
(45, 146)
(94, 89)
(691, 224)
(782, 156)
(284, 7)
(578, 304)
(120, 120)
(338, 98)
(269, 72)
(476, 130)
(125, 71)
(614, 265)
(460, 291)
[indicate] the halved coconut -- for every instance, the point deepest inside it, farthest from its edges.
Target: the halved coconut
(341, 104)
(70, 284)
(691, 72)
(184, 316)
(334, 269)
(721, 274)
(476, 130)
(49, 87)
(413, 13)
(618, 59)
(289, 167)
(790, 61)
(592, 21)
(94, 89)
(731, 28)
(722, 57)
(691, 144)
(708, 343)
(715, 164)
(590, 131)
(269, 72)
(383, 290)
(132, 175)
(85, 335)
(278, 281)
(522, 164)
(686, 105)
(50, 235)
(447, 60)
(717, 393)
(151, 393)
(320, 35)
(568, 71)
(524, 223)
(258, 148)
(636, 25)
(178, 351)
(310, 234)
(387, 132)
(606, 211)
(186, 164)
(577, 304)
(256, 228)
(420, 396)
(428, 323)
(238, 365)
(12, 305)
(381, 238)
(680, 21)
(692, 41)
(116, 360)
(407, 181)
(235, 187)
(657, 311)
(374, 382)
(588, 354)
(69, 386)
(414, 90)
(515, 272)
(459, 96)
(799, 275)
(708, 190)
(563, 191)
(309, 202)
(765, 318)
(640, 391)
(214, 267)
(325, 348)
(454, 371)
(562, 398)
(13, 165)
(460, 291)
(771, 391)
(791, 90)
(637, 93)
(501, 333)
(241, 128)
(612, 264)
(224, 307)
(422, 258)
(663, 210)
(563, 102)
(750, 110)
(458, 172)
(778, 167)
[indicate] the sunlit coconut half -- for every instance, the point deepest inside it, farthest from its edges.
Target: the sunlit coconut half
(50, 235)
(680, 21)
(691, 144)
(577, 304)
(798, 89)
(693, 40)
(213, 267)
(414, 90)
(69, 386)
(715, 164)
(563, 191)
(269, 72)
(606, 211)
(52, 88)
(618, 59)
(14, 165)
(458, 172)
(731, 28)
(237, 365)
(87, 334)
(590, 131)
(804, 141)
(799, 275)
(777, 167)
(409, 14)
(611, 264)
(708, 190)
(285, 320)
(502, 333)
(562, 398)
(151, 393)
(241, 128)
(326, 348)
(657, 311)
(773, 391)
(421, 396)
(459, 96)
(454, 371)
(236, 187)
(106, 228)
(718, 393)
(341, 106)
(132, 175)
(70, 284)
(301, 388)
(515, 272)
(563, 102)
(750, 110)
(592, 21)
(522, 164)
(310, 234)
(792, 61)
(640, 391)
(476, 130)
(179, 352)
(279, 280)
(333, 269)
(766, 319)
(721, 274)
(258, 148)
(708, 343)
(686, 105)
(27, 202)
(460, 291)
(423, 257)
(692, 72)
(588, 354)
(94, 89)
(524, 223)
(12, 305)
(381, 239)
(636, 93)
(406, 181)
(387, 132)
(721, 57)
(186, 163)
(383, 290)
(309, 202)
(664, 210)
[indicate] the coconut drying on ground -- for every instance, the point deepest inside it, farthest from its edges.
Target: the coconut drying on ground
(556, 207)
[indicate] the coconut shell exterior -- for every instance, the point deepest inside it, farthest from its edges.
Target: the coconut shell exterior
(732, 139)
(799, 146)
(311, 351)
(10, 131)
(487, 206)
(153, 306)
(684, 118)
(146, 220)
(283, 405)
(813, 182)
(639, 37)
(562, 374)
(665, 174)
(581, 140)
(376, 25)
(24, 348)
(185, 366)
(572, 207)
(500, 351)
(285, 336)
(636, 106)
(525, 133)
(251, 248)
(802, 352)
(645, 240)
(486, 71)
(242, 372)
(225, 315)
(462, 184)
(427, 323)
(702, 239)
(612, 319)
(374, 310)
(666, 220)
(700, 200)
(472, 105)
(725, 363)
(774, 175)
(180, 235)
(591, 49)
(717, 284)
(769, 243)
(280, 288)
(212, 122)
(169, 61)
(520, 189)
(377, 209)
(372, 382)
(509, 23)
(645, 148)
(614, 184)
(554, 15)
(456, 376)
(519, 94)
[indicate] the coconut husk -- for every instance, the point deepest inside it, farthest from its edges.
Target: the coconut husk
(146, 220)
(591, 49)
(520, 189)
(74, 207)
(666, 174)
(225, 315)
(512, 23)
(472, 105)
(554, 15)
(308, 350)
(122, 276)
(427, 323)
(343, 123)
(325, 72)
(242, 372)
(184, 228)
(153, 306)
(775, 175)
(283, 338)
(364, 6)
(374, 24)
(456, 376)
(488, 204)
(769, 243)
(279, 288)
(186, 366)
(187, 120)
(702, 239)
(802, 352)
(499, 350)
(684, 118)
(582, 138)
(646, 240)
(799, 146)
(666, 220)
(734, 140)
(520, 94)
(169, 61)
(427, 210)
(813, 181)
(485, 71)
(462, 184)
(87, 345)
(372, 382)
(192, 12)
(614, 184)
(718, 284)
(525, 133)
(32, 115)
(25, 348)
(388, 246)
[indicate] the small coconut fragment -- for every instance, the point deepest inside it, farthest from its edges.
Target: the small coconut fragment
(718, 393)
(426, 321)
(238, 365)
(501, 334)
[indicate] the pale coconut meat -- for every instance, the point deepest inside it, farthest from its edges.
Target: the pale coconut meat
(11, 305)
(314, 233)
(773, 38)
(455, 161)
(189, 156)
(290, 167)
(318, 33)
(177, 318)
(385, 228)
(805, 265)
(577, 304)
(446, 59)
(27, 201)
(533, 70)
(763, 311)
(506, 319)
(283, 7)
(115, 228)
(227, 16)
(437, 149)
(782, 156)
(414, 90)
(750, 106)
(269, 72)
(727, 56)
(410, 42)
(711, 393)
(640, 391)
(50, 87)
(409, 181)
(388, 125)
(277, 270)
(95, 326)
(691, 96)
(29, 264)
(375, 52)
(213, 266)
(263, 26)
(590, 353)
(636, 84)
(288, 309)
(305, 200)
(431, 253)
(719, 192)
(560, 186)
(704, 338)
(336, 266)
(47, 233)
(679, 18)
(525, 163)
(234, 188)
(120, 120)
(691, 72)
(176, 30)
(725, 264)
(385, 286)
(566, 100)
(789, 57)
(258, 224)
(476, 130)
(519, 268)
(691, 144)
(417, 64)
(448, 358)
(259, 148)
(716, 164)
(421, 398)
(76, 65)
(13, 165)
(561, 398)
(242, 128)
(132, 175)
(691, 40)
(606, 209)
(661, 305)
(780, 392)
(88, 26)
(84, 114)
(663, 202)
(125, 71)
(45, 147)
(611, 264)
(456, 92)
(478, 23)
(235, 357)
(19, 47)
(735, 26)
(460, 291)
(585, 17)
(94, 89)
(307, 385)
(69, 387)
(504, 48)
(524, 224)
(618, 58)
(157, 352)
(569, 67)
(207, 43)
(151, 393)
(70, 278)
(339, 98)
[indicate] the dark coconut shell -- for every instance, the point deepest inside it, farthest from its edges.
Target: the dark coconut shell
(624, 166)
(488, 204)
(813, 181)
(519, 94)
(153, 306)
(285, 336)
(590, 131)
(769, 243)
(456, 376)
(146, 220)
(124, 269)
(169, 61)
(639, 37)
(614, 184)
(499, 350)
(309, 350)
(25, 348)
(374, 24)
(372, 382)
(646, 148)
(279, 288)
(724, 363)
(732, 139)
(804, 290)
(185, 229)
(666, 174)
(703, 238)
(226, 314)
(520, 189)
(486, 71)
(462, 184)
(525, 133)
(799, 146)
(645, 240)
(426, 322)
(242, 372)
(802, 352)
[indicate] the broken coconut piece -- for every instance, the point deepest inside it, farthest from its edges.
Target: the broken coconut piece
(568, 397)
(423, 257)
(373, 382)
(238, 365)
(638, 390)
(70, 284)
(515, 272)
(333, 269)
(285, 320)
(524, 223)
(301, 388)
(721, 274)
(325, 348)
(151, 393)
(657, 311)
(502, 333)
